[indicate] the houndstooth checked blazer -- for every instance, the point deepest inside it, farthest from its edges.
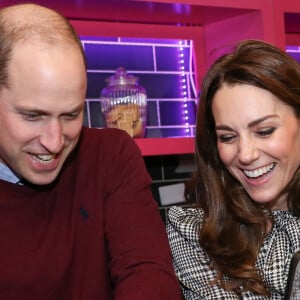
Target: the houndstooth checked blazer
(192, 263)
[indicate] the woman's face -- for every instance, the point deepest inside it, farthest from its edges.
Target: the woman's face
(258, 140)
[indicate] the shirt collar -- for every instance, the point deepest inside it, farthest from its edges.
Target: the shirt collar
(7, 174)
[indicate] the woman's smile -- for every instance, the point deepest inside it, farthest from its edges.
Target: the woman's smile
(260, 146)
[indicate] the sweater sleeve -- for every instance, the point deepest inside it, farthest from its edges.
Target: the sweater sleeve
(141, 264)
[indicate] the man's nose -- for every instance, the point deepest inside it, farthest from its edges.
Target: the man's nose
(52, 137)
(247, 151)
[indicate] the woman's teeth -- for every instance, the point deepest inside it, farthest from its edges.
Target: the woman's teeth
(259, 172)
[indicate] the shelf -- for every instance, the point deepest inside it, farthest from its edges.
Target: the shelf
(165, 146)
(213, 25)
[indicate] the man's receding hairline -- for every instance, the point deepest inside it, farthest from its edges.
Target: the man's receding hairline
(34, 11)
(33, 23)
(35, 20)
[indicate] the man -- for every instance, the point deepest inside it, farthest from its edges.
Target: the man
(77, 218)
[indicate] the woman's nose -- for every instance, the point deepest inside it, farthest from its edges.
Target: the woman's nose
(247, 151)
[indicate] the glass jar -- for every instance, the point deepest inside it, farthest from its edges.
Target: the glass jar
(124, 103)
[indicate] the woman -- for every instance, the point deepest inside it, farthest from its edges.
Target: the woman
(238, 244)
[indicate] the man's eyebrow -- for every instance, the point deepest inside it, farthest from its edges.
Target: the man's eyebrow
(45, 112)
(77, 108)
(24, 109)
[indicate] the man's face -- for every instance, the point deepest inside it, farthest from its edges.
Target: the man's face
(41, 112)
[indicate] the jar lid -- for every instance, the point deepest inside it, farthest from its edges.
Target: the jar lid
(121, 78)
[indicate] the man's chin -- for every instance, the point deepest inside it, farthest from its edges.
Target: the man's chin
(40, 179)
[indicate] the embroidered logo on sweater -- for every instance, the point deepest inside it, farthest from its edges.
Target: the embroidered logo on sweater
(84, 213)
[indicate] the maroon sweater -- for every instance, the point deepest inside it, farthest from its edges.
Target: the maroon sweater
(95, 233)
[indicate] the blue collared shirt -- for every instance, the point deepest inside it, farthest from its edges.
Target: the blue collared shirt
(7, 174)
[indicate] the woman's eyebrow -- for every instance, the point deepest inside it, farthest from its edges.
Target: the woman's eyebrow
(260, 120)
(223, 127)
(251, 124)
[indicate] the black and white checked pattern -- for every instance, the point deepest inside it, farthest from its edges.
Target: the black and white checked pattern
(295, 290)
(192, 264)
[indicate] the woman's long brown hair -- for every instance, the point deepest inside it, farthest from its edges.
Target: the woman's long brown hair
(234, 225)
